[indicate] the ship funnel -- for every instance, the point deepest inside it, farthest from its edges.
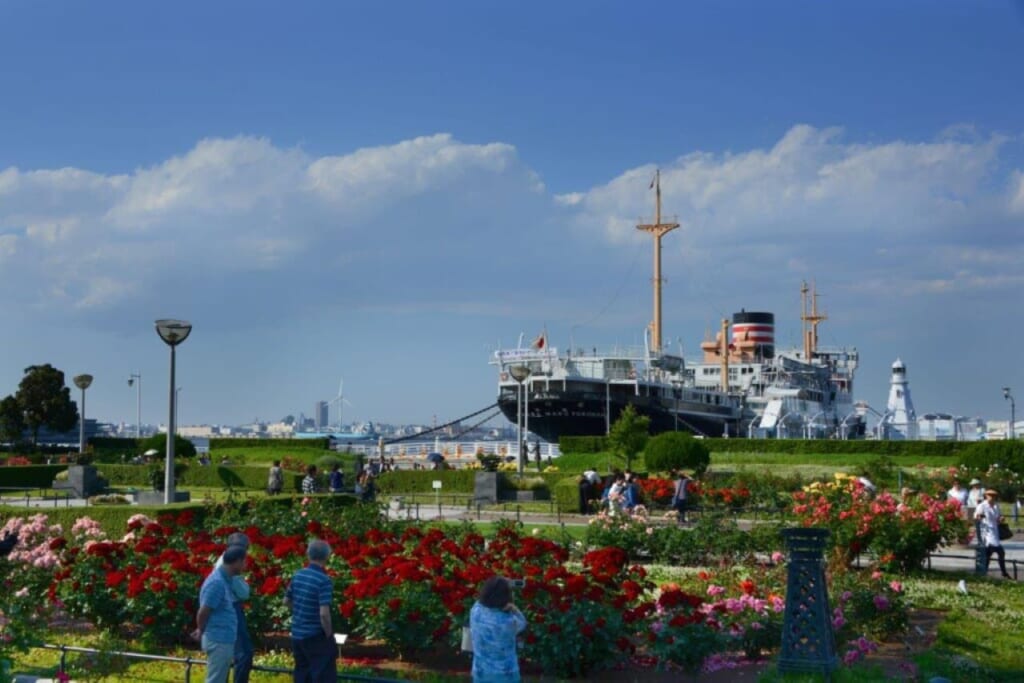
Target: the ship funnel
(754, 331)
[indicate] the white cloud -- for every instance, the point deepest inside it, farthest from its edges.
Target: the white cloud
(241, 225)
(1017, 192)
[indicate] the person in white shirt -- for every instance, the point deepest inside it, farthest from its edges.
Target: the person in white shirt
(592, 476)
(988, 516)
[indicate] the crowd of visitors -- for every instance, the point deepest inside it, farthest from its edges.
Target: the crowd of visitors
(619, 493)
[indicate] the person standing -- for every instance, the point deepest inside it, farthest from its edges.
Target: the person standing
(337, 479)
(240, 594)
(309, 598)
(309, 481)
(217, 620)
(958, 493)
(586, 493)
(494, 623)
(975, 495)
(988, 516)
(680, 496)
(275, 480)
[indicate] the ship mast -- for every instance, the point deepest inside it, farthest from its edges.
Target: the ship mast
(810, 319)
(657, 230)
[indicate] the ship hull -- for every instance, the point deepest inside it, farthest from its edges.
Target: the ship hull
(554, 416)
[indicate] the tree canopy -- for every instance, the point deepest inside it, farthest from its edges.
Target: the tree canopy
(629, 434)
(183, 448)
(45, 401)
(676, 450)
(12, 420)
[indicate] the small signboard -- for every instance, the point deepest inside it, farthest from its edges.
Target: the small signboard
(437, 484)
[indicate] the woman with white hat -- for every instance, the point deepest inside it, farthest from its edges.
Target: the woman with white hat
(988, 517)
(976, 494)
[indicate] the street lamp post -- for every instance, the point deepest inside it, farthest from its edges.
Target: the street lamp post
(519, 373)
(1008, 395)
(173, 332)
(842, 426)
(177, 408)
(136, 379)
(82, 382)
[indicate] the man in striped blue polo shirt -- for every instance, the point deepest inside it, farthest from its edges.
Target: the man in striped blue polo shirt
(309, 598)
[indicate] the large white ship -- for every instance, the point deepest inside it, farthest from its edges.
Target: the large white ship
(743, 387)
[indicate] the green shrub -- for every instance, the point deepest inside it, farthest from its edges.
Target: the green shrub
(676, 450)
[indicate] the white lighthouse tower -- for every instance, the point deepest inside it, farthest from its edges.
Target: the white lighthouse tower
(900, 420)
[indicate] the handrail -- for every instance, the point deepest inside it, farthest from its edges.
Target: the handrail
(189, 662)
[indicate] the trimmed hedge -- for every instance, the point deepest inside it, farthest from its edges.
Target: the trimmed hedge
(234, 442)
(984, 454)
(422, 481)
(597, 444)
(213, 476)
(115, 444)
(814, 446)
(29, 476)
(583, 444)
(112, 518)
(566, 494)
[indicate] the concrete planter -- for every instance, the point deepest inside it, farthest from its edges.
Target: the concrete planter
(84, 481)
(485, 488)
(157, 497)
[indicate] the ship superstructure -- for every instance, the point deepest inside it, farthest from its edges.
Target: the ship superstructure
(794, 393)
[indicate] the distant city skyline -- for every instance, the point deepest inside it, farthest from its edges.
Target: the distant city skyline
(387, 192)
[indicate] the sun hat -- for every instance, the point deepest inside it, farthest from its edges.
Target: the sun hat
(991, 492)
(975, 482)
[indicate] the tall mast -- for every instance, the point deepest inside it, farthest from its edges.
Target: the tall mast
(657, 230)
(810, 319)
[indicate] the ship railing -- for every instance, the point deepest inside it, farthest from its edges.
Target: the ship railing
(454, 452)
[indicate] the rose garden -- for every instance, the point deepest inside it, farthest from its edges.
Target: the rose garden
(612, 597)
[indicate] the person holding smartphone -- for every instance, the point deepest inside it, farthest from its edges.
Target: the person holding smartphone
(494, 623)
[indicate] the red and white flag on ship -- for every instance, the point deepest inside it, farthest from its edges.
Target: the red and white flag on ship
(541, 341)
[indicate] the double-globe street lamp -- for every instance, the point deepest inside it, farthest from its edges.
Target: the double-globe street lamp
(1008, 395)
(173, 332)
(82, 382)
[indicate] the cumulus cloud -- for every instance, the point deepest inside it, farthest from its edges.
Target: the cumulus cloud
(909, 217)
(210, 226)
(241, 225)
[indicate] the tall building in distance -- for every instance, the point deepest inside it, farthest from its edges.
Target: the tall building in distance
(321, 416)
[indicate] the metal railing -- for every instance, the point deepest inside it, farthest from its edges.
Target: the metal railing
(29, 498)
(190, 662)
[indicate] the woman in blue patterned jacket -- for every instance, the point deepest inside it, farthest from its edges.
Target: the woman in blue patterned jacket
(494, 623)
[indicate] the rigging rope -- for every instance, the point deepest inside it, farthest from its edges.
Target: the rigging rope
(439, 427)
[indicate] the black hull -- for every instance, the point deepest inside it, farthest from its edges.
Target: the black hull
(554, 416)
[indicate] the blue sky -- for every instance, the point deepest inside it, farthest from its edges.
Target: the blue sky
(386, 190)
